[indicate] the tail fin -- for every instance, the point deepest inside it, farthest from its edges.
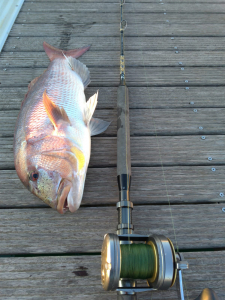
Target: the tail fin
(54, 53)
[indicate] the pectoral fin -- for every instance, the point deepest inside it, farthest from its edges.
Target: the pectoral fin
(90, 108)
(54, 112)
(98, 126)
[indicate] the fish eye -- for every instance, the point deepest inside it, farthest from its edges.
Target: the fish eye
(34, 176)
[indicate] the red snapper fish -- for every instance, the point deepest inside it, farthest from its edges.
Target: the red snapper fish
(52, 139)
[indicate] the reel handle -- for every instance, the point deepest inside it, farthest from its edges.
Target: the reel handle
(207, 294)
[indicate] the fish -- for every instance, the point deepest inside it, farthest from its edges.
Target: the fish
(52, 137)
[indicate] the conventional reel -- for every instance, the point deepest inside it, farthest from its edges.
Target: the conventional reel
(125, 256)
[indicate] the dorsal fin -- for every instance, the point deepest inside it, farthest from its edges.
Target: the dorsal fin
(54, 53)
(80, 69)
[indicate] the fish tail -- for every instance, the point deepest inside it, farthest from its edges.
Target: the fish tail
(54, 53)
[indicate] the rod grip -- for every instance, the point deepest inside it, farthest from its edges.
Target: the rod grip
(123, 132)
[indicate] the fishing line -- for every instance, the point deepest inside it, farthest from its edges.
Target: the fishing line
(137, 261)
(162, 167)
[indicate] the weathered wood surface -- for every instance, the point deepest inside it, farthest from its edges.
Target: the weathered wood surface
(44, 230)
(133, 59)
(188, 179)
(186, 184)
(146, 151)
(184, 7)
(65, 17)
(136, 76)
(108, 30)
(78, 277)
(139, 97)
(148, 122)
(132, 43)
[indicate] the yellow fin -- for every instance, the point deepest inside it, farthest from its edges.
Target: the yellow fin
(80, 157)
(54, 112)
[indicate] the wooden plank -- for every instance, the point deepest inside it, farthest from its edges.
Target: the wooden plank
(78, 277)
(186, 184)
(101, 43)
(146, 151)
(139, 97)
(65, 17)
(136, 76)
(70, 30)
(43, 230)
(133, 59)
(183, 7)
(148, 122)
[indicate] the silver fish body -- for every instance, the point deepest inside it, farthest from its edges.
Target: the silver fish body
(52, 140)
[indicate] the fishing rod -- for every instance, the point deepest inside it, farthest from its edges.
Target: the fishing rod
(127, 256)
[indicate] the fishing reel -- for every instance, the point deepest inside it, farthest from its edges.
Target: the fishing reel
(152, 258)
(134, 256)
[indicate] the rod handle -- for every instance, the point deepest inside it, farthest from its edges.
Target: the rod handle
(123, 132)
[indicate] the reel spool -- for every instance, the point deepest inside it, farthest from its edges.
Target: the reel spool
(153, 260)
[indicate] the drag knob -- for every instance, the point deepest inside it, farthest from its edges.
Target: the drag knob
(207, 294)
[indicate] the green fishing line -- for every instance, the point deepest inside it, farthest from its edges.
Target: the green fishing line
(137, 261)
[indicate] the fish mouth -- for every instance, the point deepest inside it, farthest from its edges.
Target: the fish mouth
(62, 194)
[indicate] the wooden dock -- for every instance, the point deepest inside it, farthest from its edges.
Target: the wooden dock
(175, 58)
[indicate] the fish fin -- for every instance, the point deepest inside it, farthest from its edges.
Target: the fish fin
(54, 53)
(79, 156)
(32, 83)
(98, 126)
(54, 112)
(79, 68)
(90, 108)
